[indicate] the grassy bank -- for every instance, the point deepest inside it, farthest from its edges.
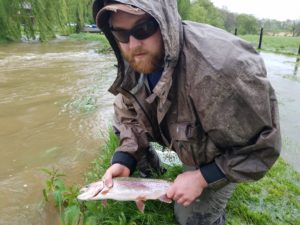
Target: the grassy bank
(272, 200)
(104, 44)
(276, 44)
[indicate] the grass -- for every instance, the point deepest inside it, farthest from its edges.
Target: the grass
(104, 44)
(275, 199)
(276, 44)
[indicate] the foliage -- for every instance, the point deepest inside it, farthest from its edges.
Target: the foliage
(10, 27)
(297, 29)
(42, 18)
(183, 8)
(272, 200)
(229, 20)
(64, 198)
(247, 24)
(104, 44)
(203, 11)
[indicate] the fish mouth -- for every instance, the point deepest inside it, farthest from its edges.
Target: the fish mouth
(91, 191)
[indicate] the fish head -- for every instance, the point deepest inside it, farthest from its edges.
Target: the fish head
(89, 192)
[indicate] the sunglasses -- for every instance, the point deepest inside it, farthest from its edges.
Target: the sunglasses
(140, 31)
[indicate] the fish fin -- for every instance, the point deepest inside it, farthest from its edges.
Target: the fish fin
(99, 187)
(104, 203)
(140, 205)
(105, 190)
(165, 199)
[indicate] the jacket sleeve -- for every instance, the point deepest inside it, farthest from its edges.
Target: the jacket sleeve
(133, 139)
(238, 110)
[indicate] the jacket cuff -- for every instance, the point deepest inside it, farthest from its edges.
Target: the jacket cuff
(124, 159)
(211, 173)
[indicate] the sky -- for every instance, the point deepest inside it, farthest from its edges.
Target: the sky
(271, 9)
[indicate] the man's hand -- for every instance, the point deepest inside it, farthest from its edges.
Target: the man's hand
(115, 170)
(187, 187)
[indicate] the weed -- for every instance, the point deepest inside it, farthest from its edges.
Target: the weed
(271, 200)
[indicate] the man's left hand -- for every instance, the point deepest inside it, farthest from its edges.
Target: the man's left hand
(187, 187)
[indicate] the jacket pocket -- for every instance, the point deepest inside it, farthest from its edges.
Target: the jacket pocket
(184, 132)
(186, 138)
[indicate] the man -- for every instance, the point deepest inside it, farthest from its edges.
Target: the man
(195, 89)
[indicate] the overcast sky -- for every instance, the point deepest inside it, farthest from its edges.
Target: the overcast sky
(271, 9)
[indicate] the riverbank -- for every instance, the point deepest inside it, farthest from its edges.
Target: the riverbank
(272, 200)
(276, 44)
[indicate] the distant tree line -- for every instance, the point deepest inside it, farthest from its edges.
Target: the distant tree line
(45, 18)
(205, 12)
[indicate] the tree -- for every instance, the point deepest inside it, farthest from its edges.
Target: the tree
(183, 8)
(297, 29)
(41, 18)
(247, 24)
(229, 20)
(9, 20)
(205, 12)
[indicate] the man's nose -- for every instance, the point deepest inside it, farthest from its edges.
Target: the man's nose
(133, 42)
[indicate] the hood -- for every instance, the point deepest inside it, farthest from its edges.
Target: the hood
(166, 14)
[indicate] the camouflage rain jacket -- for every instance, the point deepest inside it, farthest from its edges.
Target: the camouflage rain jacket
(213, 102)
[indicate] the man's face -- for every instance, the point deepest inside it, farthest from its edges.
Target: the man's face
(144, 56)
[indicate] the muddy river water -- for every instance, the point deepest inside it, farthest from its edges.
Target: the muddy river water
(55, 108)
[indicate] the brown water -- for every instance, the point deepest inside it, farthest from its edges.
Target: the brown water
(54, 107)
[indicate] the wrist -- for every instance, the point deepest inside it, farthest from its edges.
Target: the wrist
(124, 159)
(202, 180)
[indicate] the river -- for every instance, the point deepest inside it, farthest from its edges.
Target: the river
(55, 108)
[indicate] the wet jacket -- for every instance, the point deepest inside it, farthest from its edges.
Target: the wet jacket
(212, 104)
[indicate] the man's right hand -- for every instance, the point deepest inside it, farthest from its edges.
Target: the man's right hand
(115, 170)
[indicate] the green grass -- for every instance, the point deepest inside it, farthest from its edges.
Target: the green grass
(87, 36)
(104, 44)
(276, 44)
(275, 199)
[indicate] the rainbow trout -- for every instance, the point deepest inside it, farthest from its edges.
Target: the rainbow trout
(127, 189)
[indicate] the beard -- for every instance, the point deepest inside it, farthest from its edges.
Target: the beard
(148, 63)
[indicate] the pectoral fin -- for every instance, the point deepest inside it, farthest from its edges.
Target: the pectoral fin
(105, 190)
(140, 204)
(104, 203)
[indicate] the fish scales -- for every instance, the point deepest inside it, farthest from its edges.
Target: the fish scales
(135, 188)
(125, 189)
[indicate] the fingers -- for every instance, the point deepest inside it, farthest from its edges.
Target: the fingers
(107, 179)
(170, 192)
(184, 201)
(115, 170)
(181, 196)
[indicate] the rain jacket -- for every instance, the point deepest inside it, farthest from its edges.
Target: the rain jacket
(212, 104)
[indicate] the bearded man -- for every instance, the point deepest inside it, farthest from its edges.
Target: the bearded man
(195, 89)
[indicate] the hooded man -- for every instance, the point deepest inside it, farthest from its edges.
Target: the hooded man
(195, 89)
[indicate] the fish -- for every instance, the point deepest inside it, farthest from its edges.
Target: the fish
(127, 189)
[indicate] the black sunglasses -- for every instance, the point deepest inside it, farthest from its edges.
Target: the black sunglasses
(140, 31)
